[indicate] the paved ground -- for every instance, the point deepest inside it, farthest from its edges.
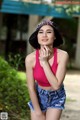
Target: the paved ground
(72, 86)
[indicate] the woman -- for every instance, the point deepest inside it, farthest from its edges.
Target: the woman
(46, 69)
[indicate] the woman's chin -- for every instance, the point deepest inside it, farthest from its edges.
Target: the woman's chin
(46, 44)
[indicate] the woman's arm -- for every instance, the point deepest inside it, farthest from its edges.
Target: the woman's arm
(31, 84)
(55, 80)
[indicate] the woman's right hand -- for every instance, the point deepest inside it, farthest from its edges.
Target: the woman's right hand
(44, 55)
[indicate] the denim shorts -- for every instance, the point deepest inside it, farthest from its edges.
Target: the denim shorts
(50, 99)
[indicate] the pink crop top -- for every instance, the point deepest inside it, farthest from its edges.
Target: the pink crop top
(38, 71)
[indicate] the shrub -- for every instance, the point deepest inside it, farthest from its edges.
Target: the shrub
(13, 93)
(16, 60)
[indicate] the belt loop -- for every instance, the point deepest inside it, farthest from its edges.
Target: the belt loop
(57, 93)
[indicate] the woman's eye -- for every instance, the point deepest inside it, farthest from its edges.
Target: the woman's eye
(40, 32)
(49, 32)
(46, 32)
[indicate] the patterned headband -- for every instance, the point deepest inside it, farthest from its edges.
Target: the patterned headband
(45, 22)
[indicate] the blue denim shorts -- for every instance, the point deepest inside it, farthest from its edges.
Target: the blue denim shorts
(50, 99)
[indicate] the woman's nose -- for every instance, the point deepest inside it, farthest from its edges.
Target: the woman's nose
(44, 34)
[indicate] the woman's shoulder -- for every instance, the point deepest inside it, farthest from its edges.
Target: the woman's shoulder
(62, 54)
(30, 59)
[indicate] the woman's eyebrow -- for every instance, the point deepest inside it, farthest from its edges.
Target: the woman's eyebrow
(49, 30)
(46, 30)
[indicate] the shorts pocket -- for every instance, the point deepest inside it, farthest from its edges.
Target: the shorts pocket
(30, 105)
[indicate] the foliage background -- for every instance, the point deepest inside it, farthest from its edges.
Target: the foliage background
(13, 92)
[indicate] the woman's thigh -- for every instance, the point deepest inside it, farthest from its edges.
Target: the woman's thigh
(35, 117)
(53, 114)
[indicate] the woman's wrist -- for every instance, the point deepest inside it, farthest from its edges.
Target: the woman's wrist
(44, 64)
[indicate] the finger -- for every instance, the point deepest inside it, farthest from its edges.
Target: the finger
(49, 50)
(46, 49)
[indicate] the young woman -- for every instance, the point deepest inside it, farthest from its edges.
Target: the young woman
(46, 69)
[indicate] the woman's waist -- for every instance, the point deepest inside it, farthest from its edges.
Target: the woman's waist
(46, 86)
(43, 84)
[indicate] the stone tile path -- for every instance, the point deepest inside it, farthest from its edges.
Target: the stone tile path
(72, 86)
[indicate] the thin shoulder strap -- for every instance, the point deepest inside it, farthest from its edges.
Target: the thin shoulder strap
(37, 56)
(55, 55)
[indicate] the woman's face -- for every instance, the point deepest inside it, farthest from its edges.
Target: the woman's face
(46, 35)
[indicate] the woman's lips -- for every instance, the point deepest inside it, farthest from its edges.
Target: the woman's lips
(44, 40)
